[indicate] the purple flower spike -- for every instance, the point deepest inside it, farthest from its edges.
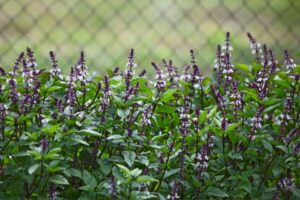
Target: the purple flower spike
(17, 63)
(44, 145)
(71, 98)
(160, 78)
(129, 72)
(296, 149)
(14, 95)
(256, 48)
(113, 188)
(52, 192)
(171, 71)
(289, 62)
(174, 195)
(55, 71)
(287, 182)
(202, 160)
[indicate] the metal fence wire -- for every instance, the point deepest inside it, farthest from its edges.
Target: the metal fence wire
(157, 29)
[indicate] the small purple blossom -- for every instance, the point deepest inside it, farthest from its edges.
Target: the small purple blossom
(17, 63)
(3, 111)
(202, 160)
(80, 69)
(160, 78)
(70, 97)
(256, 122)
(265, 54)
(219, 65)
(44, 145)
(227, 46)
(105, 99)
(128, 93)
(59, 105)
(227, 71)
(287, 182)
(14, 95)
(146, 121)
(261, 82)
(272, 62)
(174, 192)
(292, 134)
(129, 130)
(186, 76)
(116, 71)
(2, 71)
(237, 99)
(52, 192)
(285, 117)
(142, 74)
(256, 48)
(31, 59)
(171, 72)
(197, 78)
(185, 117)
(112, 188)
(195, 119)
(129, 71)
(289, 62)
(296, 149)
(55, 71)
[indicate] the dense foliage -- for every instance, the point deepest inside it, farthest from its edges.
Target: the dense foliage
(179, 136)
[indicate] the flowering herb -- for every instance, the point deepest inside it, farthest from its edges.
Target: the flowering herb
(180, 135)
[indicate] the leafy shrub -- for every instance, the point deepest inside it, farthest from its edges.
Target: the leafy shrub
(123, 136)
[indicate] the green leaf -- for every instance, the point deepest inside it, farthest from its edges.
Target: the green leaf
(232, 126)
(59, 179)
(129, 157)
(123, 113)
(51, 129)
(277, 170)
(271, 108)
(116, 137)
(146, 179)
(136, 172)
(75, 172)
(235, 155)
(88, 179)
(90, 132)
(105, 166)
(168, 95)
(78, 140)
(246, 185)
(267, 145)
(124, 169)
(33, 168)
(216, 192)
(256, 66)
(20, 154)
(296, 192)
(282, 148)
(87, 188)
(158, 137)
(171, 172)
(212, 112)
(202, 117)
(165, 109)
(243, 67)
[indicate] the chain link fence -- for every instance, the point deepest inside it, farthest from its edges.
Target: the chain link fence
(107, 29)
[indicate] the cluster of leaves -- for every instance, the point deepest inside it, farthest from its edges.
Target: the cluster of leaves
(124, 136)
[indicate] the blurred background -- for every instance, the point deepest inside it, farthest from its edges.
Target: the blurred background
(156, 29)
